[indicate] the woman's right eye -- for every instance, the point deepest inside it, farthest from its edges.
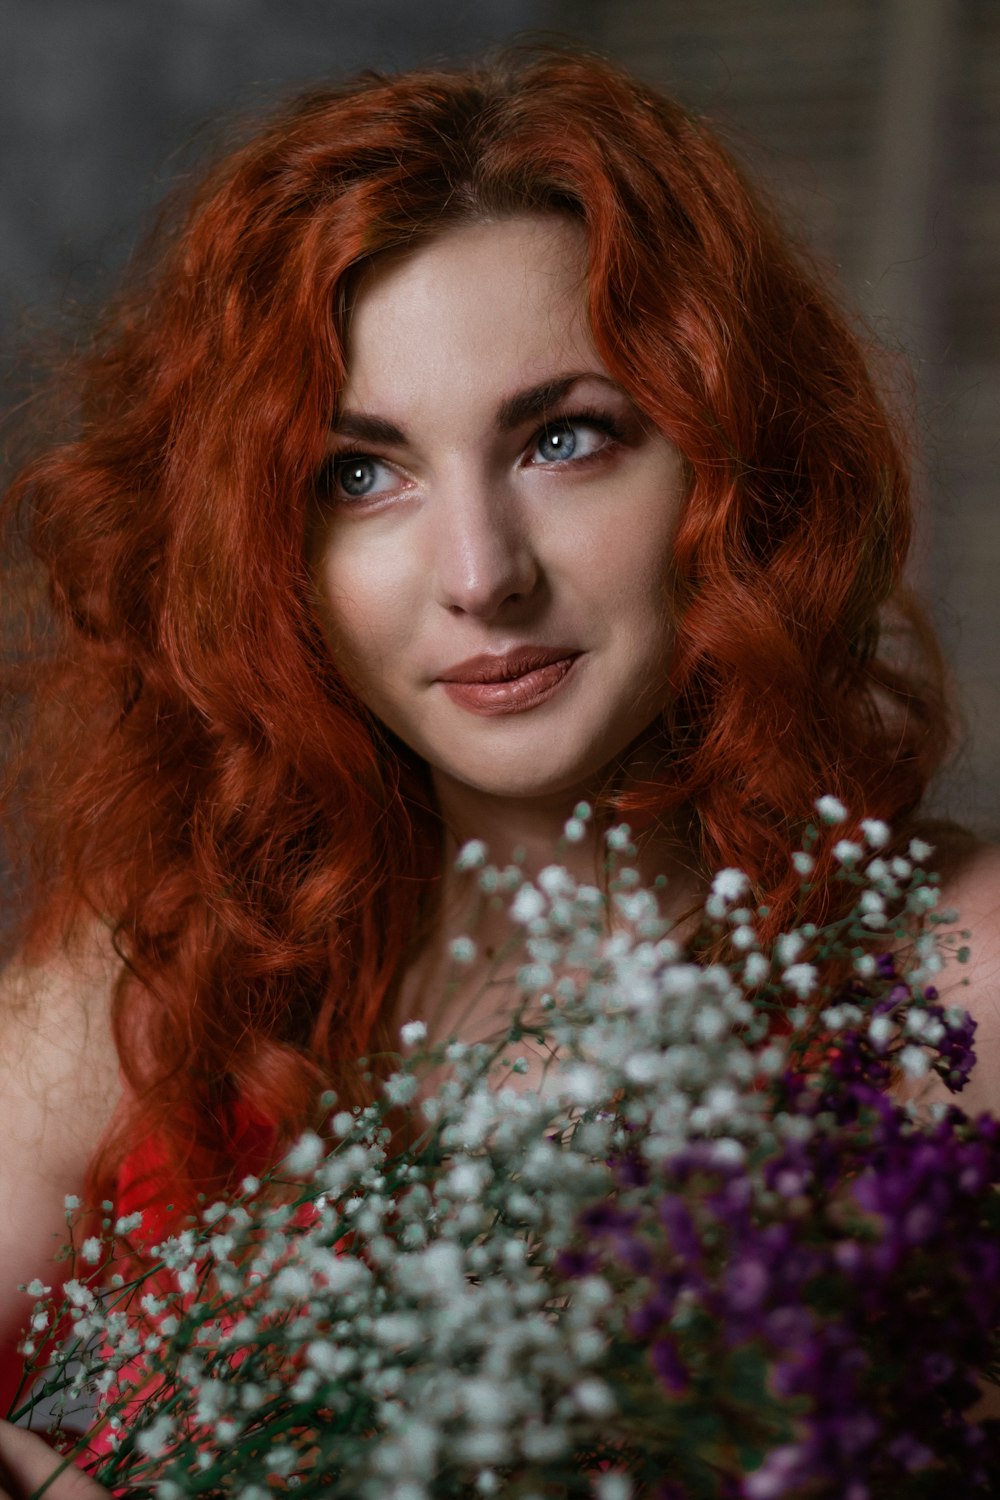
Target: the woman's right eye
(355, 476)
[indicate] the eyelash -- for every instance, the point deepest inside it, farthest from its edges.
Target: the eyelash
(583, 417)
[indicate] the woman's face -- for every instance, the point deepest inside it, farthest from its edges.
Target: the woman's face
(493, 555)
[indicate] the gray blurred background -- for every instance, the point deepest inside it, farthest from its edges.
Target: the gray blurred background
(876, 123)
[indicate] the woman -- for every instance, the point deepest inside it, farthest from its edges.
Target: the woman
(472, 444)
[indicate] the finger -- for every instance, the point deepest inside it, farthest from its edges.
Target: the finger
(28, 1462)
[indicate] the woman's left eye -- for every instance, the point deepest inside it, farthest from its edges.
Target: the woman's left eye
(575, 437)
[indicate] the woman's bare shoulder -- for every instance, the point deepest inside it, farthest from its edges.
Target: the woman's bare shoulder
(57, 1054)
(971, 887)
(59, 1088)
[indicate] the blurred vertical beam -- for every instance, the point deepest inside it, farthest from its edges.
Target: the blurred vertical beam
(910, 257)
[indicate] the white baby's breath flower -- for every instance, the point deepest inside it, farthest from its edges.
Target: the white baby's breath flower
(803, 863)
(730, 884)
(800, 979)
(920, 851)
(756, 970)
(71, 1203)
(543, 1444)
(472, 855)
(613, 1487)
(329, 1359)
(865, 964)
(923, 898)
(292, 1284)
(771, 1060)
(574, 830)
(187, 1278)
(710, 1023)
(527, 905)
(154, 1439)
(305, 1155)
(556, 881)
(463, 950)
(619, 838)
(466, 1179)
(343, 1276)
(593, 1398)
(281, 1460)
(78, 1295)
(582, 1084)
(37, 1288)
(831, 809)
(398, 1330)
(914, 1062)
(90, 1250)
(876, 832)
(534, 977)
(176, 1250)
(412, 1033)
(128, 1223)
(402, 1088)
(880, 1031)
(787, 947)
(928, 1028)
(846, 852)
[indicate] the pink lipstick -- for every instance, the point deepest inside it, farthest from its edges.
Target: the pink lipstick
(509, 684)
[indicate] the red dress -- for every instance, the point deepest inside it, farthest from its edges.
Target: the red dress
(145, 1185)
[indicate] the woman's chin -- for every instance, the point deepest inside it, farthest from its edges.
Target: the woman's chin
(523, 784)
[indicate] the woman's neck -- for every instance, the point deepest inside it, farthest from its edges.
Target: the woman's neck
(532, 833)
(470, 1000)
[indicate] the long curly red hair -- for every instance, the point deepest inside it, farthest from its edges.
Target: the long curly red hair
(201, 777)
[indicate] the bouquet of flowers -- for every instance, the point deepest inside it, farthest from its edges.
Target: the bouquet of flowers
(707, 1256)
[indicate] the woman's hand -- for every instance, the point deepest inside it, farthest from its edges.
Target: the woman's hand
(26, 1461)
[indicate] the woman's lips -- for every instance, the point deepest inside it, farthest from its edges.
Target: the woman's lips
(512, 695)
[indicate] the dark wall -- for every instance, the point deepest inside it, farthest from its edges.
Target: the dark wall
(99, 97)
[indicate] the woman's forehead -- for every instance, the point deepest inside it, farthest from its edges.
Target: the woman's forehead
(482, 310)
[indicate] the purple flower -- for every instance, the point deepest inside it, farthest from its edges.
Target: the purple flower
(675, 1216)
(670, 1368)
(575, 1262)
(746, 1283)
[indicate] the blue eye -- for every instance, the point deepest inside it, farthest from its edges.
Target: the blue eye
(575, 437)
(355, 476)
(559, 441)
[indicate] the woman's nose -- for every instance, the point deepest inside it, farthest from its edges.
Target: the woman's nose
(483, 554)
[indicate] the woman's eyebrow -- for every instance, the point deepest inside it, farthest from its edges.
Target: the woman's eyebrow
(512, 412)
(366, 428)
